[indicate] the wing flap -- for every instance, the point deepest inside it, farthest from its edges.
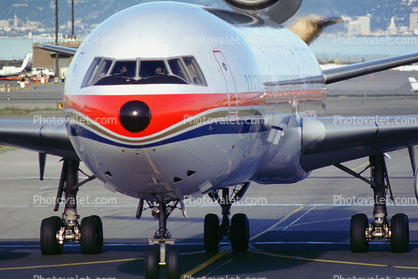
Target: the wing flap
(47, 138)
(328, 141)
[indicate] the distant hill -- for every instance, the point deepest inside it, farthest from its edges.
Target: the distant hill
(89, 13)
(381, 11)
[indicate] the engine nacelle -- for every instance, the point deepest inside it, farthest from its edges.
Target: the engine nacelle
(277, 10)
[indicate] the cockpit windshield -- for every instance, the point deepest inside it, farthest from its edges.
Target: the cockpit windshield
(194, 70)
(152, 68)
(178, 69)
(174, 70)
(124, 69)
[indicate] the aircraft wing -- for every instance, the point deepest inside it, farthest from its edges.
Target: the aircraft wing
(331, 140)
(364, 68)
(59, 49)
(41, 137)
(50, 138)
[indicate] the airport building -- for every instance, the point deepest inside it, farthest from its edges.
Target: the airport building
(46, 59)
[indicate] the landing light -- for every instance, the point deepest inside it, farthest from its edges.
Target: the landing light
(135, 116)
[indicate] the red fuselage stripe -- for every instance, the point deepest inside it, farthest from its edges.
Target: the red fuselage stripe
(170, 109)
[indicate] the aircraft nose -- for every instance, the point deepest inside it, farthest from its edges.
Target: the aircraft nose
(135, 116)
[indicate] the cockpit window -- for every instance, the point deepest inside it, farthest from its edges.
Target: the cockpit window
(194, 71)
(152, 68)
(174, 70)
(90, 71)
(102, 70)
(124, 69)
(177, 69)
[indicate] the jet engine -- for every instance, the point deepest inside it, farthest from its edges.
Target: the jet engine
(277, 10)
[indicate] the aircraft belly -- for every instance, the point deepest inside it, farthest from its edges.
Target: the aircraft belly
(174, 169)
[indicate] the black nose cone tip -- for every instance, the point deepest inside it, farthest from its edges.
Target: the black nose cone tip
(135, 116)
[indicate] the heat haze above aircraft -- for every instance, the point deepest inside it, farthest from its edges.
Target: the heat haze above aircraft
(164, 100)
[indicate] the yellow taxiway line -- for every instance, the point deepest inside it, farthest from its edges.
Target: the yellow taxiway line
(333, 261)
(68, 264)
(203, 265)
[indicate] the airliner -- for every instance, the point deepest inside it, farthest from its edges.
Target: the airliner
(7, 71)
(414, 83)
(164, 100)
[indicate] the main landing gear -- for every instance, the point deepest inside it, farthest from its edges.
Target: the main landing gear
(168, 257)
(55, 230)
(361, 232)
(237, 230)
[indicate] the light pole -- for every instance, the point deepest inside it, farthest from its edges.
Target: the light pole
(72, 19)
(57, 71)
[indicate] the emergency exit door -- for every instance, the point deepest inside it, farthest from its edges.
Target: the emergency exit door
(229, 82)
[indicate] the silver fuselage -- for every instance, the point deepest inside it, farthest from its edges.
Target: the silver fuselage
(242, 125)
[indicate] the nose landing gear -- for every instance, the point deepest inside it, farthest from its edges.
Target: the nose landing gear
(168, 257)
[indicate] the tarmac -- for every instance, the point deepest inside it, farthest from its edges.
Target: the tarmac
(298, 230)
(39, 96)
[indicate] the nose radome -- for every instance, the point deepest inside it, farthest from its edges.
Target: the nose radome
(135, 116)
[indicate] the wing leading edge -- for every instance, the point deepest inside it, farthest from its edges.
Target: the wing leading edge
(59, 49)
(359, 69)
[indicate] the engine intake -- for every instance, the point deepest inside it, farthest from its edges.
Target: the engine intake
(252, 4)
(277, 10)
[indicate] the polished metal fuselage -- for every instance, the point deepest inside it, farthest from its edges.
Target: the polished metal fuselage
(245, 125)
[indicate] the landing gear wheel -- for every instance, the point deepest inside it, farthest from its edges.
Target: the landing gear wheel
(240, 232)
(49, 243)
(100, 232)
(91, 231)
(358, 226)
(152, 261)
(399, 239)
(173, 263)
(211, 233)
